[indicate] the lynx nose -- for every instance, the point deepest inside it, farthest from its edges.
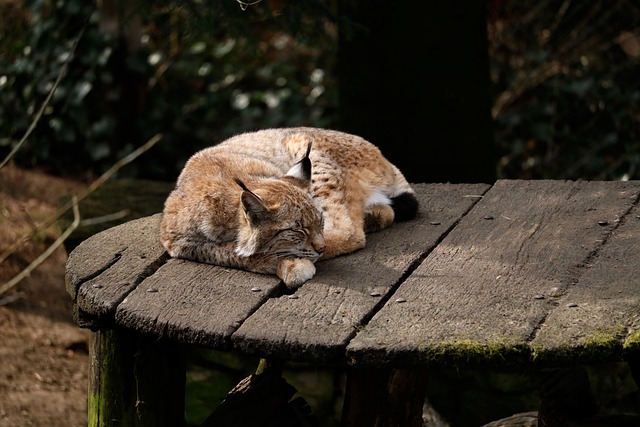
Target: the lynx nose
(318, 244)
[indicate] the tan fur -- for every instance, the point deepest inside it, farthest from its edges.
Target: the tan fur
(280, 224)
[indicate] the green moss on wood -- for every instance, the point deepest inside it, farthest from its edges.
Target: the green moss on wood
(600, 347)
(631, 346)
(134, 381)
(109, 365)
(603, 347)
(602, 342)
(497, 351)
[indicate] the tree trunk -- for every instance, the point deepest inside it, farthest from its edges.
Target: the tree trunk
(414, 80)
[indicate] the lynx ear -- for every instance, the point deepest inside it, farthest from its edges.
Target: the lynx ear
(252, 204)
(302, 169)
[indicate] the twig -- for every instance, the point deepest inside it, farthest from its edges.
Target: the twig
(245, 4)
(47, 253)
(90, 189)
(105, 218)
(11, 298)
(44, 105)
(113, 169)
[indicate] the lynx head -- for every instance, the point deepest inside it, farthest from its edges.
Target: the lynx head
(279, 217)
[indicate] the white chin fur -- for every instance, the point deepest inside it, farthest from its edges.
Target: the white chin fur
(247, 242)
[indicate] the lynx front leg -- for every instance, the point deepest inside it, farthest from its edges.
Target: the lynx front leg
(295, 271)
(343, 241)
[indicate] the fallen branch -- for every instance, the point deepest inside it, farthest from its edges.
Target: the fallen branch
(47, 253)
(105, 218)
(86, 192)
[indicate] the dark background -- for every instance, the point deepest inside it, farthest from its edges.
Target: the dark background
(450, 91)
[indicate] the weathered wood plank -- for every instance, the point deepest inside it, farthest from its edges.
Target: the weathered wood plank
(482, 293)
(600, 315)
(327, 310)
(102, 270)
(194, 303)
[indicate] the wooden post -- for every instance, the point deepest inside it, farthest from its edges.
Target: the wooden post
(384, 397)
(414, 80)
(634, 367)
(565, 397)
(134, 381)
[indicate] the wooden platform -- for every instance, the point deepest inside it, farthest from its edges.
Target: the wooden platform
(520, 273)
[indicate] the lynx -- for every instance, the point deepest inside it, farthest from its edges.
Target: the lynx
(277, 200)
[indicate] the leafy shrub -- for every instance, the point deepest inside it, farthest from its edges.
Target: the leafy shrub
(564, 73)
(195, 73)
(567, 88)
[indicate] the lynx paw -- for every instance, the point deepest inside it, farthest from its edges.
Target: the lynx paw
(295, 271)
(377, 217)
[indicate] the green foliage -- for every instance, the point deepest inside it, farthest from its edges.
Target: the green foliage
(564, 73)
(30, 69)
(204, 392)
(194, 72)
(567, 89)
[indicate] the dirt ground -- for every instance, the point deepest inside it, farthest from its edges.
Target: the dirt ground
(43, 354)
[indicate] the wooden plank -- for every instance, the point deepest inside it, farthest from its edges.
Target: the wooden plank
(103, 269)
(317, 322)
(195, 303)
(482, 293)
(600, 315)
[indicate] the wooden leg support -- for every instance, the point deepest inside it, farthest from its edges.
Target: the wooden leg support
(384, 398)
(634, 366)
(134, 381)
(566, 397)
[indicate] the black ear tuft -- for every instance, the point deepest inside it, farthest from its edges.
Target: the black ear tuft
(241, 184)
(302, 169)
(252, 204)
(405, 207)
(306, 164)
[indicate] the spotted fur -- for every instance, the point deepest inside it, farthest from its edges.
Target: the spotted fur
(277, 200)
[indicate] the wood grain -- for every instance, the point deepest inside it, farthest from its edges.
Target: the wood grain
(536, 270)
(482, 294)
(102, 270)
(600, 314)
(326, 312)
(194, 303)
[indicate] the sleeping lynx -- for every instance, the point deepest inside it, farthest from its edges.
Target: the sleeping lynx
(277, 200)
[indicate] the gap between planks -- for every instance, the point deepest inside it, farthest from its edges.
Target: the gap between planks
(415, 264)
(579, 272)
